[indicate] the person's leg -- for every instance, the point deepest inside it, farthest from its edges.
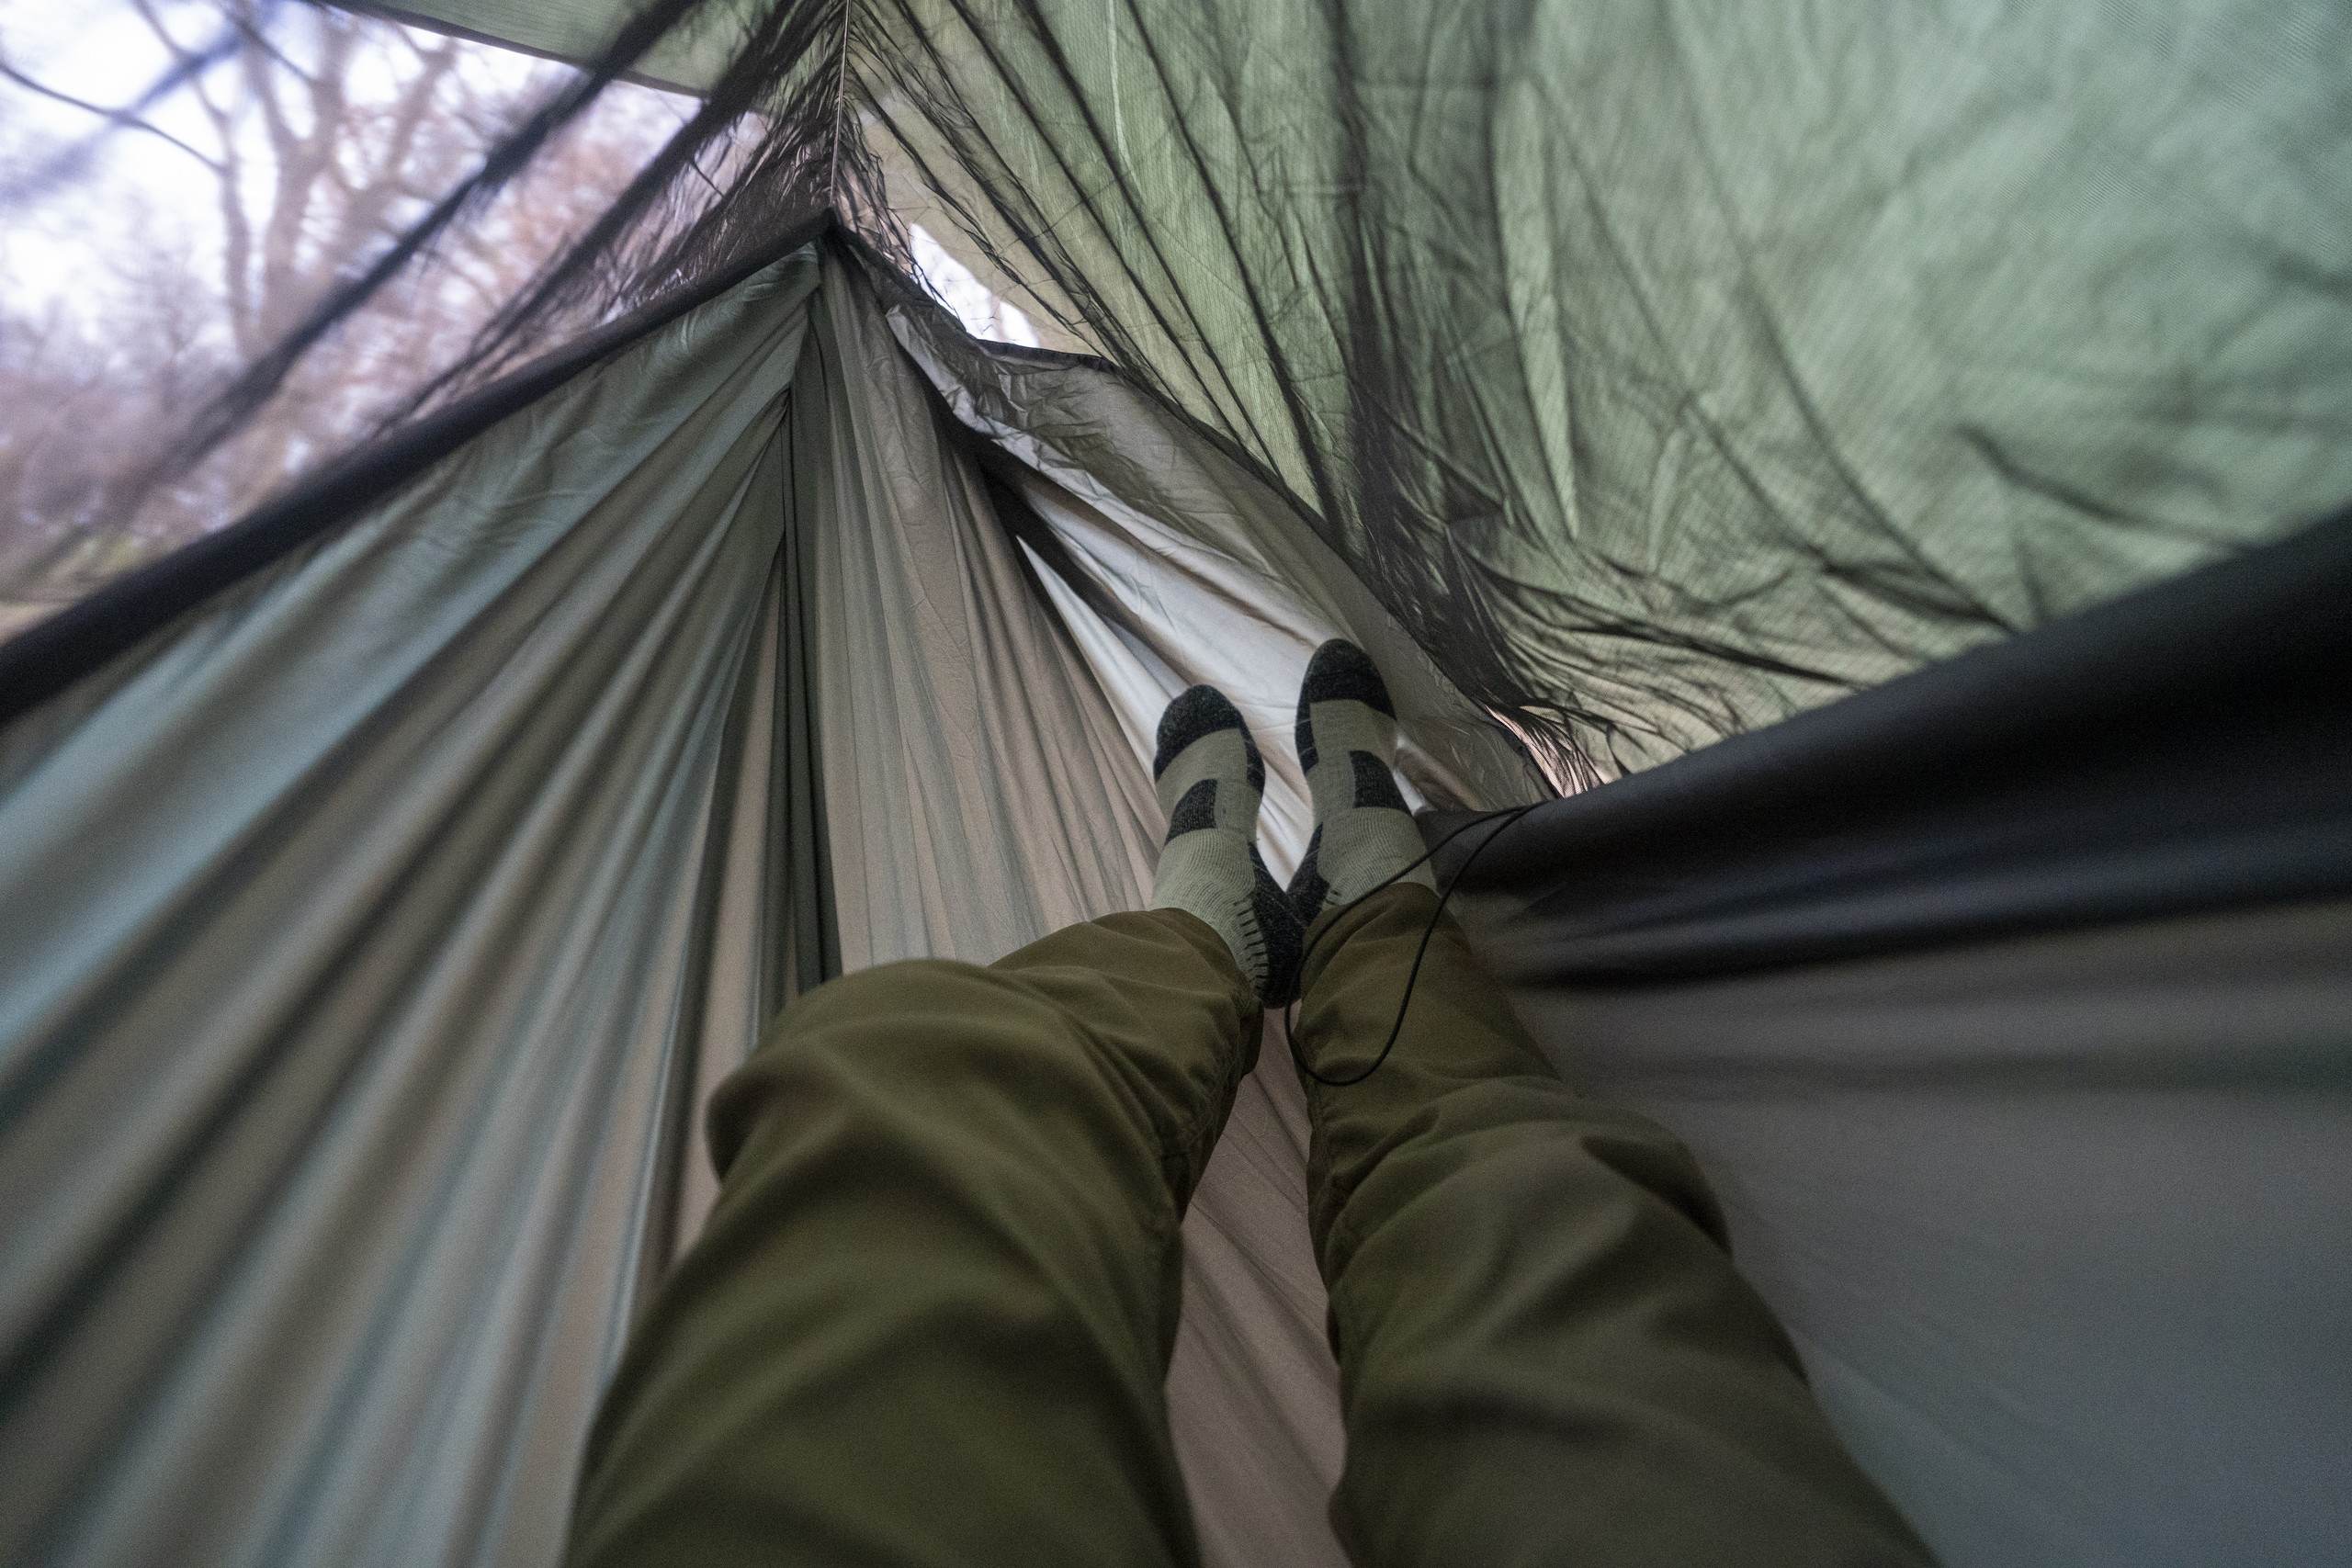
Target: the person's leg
(930, 1318)
(1545, 1353)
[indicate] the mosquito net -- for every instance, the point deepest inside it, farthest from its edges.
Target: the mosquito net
(526, 572)
(1666, 370)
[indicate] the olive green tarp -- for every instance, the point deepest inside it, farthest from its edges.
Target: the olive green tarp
(1666, 368)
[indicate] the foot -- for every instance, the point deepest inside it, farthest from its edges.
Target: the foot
(1347, 745)
(1210, 779)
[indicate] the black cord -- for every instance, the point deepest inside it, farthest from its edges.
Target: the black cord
(1412, 977)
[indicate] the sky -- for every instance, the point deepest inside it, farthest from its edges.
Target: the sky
(59, 250)
(100, 50)
(101, 53)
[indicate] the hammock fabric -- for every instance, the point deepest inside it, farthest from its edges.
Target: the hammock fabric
(1872, 472)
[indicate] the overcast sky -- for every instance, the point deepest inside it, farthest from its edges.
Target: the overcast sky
(60, 247)
(100, 50)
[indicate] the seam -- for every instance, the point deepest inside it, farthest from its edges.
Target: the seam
(840, 110)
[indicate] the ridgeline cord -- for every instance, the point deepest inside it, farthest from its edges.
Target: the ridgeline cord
(1290, 1039)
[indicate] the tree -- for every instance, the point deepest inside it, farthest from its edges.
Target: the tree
(318, 134)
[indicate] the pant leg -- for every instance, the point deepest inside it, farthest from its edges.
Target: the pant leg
(930, 1319)
(1546, 1356)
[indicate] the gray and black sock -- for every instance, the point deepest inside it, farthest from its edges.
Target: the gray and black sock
(1210, 779)
(1347, 746)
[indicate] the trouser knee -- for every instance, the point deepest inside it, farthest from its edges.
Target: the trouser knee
(923, 1031)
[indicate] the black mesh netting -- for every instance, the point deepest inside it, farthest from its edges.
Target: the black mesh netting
(483, 226)
(1664, 370)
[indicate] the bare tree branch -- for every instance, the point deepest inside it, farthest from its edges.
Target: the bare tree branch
(187, 58)
(332, 133)
(122, 118)
(241, 18)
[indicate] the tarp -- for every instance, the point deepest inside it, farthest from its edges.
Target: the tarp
(1167, 563)
(2005, 1005)
(692, 57)
(358, 931)
(1665, 369)
(2008, 1006)
(399, 906)
(716, 672)
(2042, 1218)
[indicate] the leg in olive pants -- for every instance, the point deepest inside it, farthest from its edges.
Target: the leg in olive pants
(1545, 1355)
(928, 1320)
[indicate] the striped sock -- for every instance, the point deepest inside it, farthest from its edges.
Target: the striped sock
(1210, 780)
(1347, 746)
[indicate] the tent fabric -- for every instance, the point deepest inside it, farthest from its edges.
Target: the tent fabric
(2006, 1006)
(44, 659)
(353, 934)
(986, 736)
(980, 794)
(2045, 1217)
(1929, 978)
(692, 57)
(2178, 752)
(1665, 369)
(516, 780)
(711, 674)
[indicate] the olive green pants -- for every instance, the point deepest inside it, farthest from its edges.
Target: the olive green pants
(928, 1321)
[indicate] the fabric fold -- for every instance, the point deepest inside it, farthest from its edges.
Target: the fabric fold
(350, 935)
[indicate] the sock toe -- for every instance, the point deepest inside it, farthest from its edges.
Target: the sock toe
(1211, 778)
(1196, 714)
(1365, 834)
(1340, 671)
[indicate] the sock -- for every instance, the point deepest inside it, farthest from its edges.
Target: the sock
(1347, 745)
(1210, 779)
